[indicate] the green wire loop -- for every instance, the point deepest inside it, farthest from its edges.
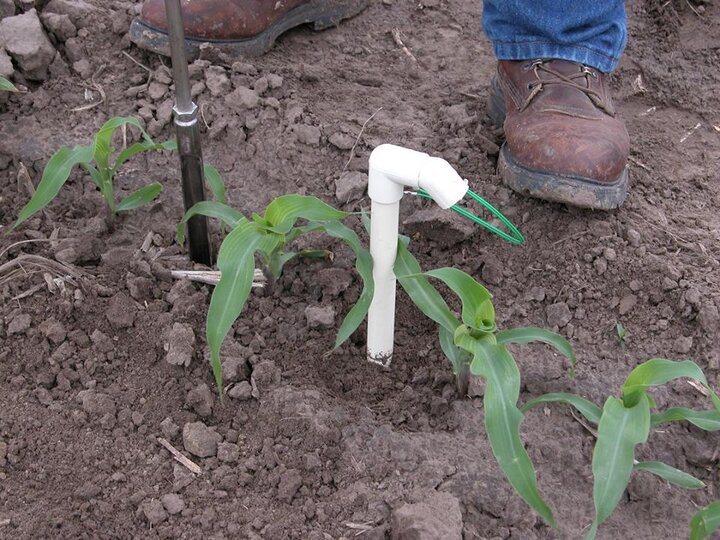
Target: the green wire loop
(515, 236)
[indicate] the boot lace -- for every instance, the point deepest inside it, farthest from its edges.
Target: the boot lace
(570, 81)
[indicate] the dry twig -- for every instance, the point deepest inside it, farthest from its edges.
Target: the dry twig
(185, 462)
(399, 43)
(212, 277)
(97, 87)
(362, 129)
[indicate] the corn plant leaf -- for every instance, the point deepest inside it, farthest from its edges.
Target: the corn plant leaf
(477, 308)
(140, 197)
(587, 408)
(670, 474)
(215, 181)
(94, 174)
(7, 86)
(620, 429)
(282, 213)
(522, 336)
(502, 418)
(421, 292)
(707, 420)
(103, 141)
(457, 356)
(296, 232)
(56, 173)
(133, 150)
(213, 209)
(705, 522)
(654, 372)
(363, 265)
(236, 263)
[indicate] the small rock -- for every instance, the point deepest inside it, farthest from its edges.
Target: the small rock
(609, 254)
(59, 25)
(306, 134)
(200, 399)
(600, 265)
(683, 344)
(200, 440)
(20, 324)
(633, 237)
(334, 281)
(320, 316)
(350, 186)
(311, 461)
(6, 67)
(261, 85)
(87, 491)
(228, 452)
(635, 285)
(180, 345)
(25, 41)
(154, 511)
(241, 391)
(173, 503)
(438, 517)
(244, 68)
(242, 98)
(217, 81)
(121, 311)
(101, 341)
(169, 428)
(275, 81)
(558, 314)
(709, 318)
(79, 11)
(627, 302)
(156, 91)
(96, 403)
(341, 141)
(290, 482)
(265, 376)
(234, 369)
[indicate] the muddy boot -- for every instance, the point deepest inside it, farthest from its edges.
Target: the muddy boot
(237, 27)
(563, 141)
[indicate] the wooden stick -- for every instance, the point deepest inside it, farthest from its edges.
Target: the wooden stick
(212, 277)
(192, 467)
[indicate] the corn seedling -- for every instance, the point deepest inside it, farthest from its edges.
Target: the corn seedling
(7, 86)
(705, 522)
(96, 159)
(623, 423)
(474, 346)
(269, 236)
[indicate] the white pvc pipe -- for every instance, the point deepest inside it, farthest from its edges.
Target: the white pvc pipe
(383, 248)
(391, 170)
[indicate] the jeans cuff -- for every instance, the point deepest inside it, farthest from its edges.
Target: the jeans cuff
(531, 50)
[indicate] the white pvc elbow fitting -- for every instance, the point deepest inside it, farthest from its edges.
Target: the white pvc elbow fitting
(393, 169)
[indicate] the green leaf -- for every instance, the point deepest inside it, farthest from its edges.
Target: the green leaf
(7, 86)
(212, 209)
(477, 309)
(503, 418)
(620, 429)
(654, 372)
(421, 292)
(363, 265)
(132, 150)
(140, 197)
(56, 173)
(707, 420)
(585, 407)
(94, 174)
(103, 141)
(215, 181)
(457, 356)
(236, 262)
(670, 474)
(522, 336)
(705, 522)
(282, 213)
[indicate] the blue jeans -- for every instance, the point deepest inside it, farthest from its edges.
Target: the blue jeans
(592, 32)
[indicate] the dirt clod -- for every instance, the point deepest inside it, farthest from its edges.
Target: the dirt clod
(200, 440)
(438, 517)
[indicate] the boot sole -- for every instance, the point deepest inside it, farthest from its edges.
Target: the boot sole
(573, 190)
(318, 13)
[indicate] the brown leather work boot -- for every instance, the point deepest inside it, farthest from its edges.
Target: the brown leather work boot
(563, 141)
(237, 27)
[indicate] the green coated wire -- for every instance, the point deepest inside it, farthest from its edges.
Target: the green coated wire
(515, 236)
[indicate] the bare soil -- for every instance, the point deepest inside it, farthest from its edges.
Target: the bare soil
(332, 445)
